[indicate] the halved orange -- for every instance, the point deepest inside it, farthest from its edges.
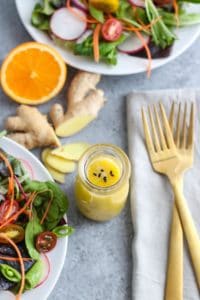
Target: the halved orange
(33, 73)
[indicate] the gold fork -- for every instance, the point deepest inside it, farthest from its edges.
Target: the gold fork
(166, 160)
(174, 279)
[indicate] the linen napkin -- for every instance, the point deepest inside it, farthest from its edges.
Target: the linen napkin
(152, 200)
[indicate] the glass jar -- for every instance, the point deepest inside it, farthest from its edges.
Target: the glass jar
(100, 192)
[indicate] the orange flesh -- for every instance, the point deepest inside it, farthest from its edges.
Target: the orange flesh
(32, 74)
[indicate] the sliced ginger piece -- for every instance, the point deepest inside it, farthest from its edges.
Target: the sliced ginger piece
(60, 164)
(58, 176)
(84, 104)
(30, 128)
(71, 151)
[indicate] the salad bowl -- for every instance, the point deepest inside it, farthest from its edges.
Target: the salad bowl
(126, 64)
(57, 256)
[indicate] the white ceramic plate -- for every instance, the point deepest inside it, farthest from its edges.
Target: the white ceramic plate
(126, 64)
(56, 256)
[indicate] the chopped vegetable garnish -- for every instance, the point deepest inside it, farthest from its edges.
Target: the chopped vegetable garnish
(156, 18)
(29, 210)
(63, 231)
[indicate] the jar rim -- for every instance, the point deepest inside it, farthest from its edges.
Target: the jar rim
(113, 150)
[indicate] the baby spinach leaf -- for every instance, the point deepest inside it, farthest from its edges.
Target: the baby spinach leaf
(48, 191)
(33, 228)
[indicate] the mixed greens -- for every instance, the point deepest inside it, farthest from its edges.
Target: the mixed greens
(100, 29)
(31, 221)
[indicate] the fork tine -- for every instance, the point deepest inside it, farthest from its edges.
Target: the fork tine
(171, 117)
(162, 137)
(155, 135)
(178, 127)
(191, 128)
(147, 134)
(184, 128)
(168, 132)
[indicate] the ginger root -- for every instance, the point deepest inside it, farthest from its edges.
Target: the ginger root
(30, 128)
(84, 104)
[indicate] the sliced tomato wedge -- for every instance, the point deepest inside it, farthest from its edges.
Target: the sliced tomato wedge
(111, 30)
(4, 207)
(46, 241)
(14, 232)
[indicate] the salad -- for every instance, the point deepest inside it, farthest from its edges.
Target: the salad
(100, 29)
(31, 221)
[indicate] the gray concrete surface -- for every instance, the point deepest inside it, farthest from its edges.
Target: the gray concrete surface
(98, 263)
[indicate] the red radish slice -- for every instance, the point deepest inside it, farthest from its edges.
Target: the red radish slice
(66, 25)
(133, 44)
(46, 262)
(138, 3)
(84, 36)
(28, 167)
(80, 5)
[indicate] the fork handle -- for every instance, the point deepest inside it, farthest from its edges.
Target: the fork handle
(174, 279)
(189, 228)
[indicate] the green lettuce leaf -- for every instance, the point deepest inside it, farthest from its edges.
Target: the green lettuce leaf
(108, 50)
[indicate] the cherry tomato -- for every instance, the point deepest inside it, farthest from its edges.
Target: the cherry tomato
(111, 29)
(14, 232)
(4, 207)
(46, 241)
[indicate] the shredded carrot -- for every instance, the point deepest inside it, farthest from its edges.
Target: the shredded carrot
(17, 214)
(10, 184)
(148, 52)
(22, 284)
(143, 26)
(84, 19)
(8, 258)
(96, 35)
(47, 209)
(176, 10)
(132, 28)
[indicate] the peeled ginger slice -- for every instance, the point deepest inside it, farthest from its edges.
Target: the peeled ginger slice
(73, 125)
(60, 164)
(58, 176)
(71, 151)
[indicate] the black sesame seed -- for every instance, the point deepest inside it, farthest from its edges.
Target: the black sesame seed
(102, 170)
(99, 175)
(105, 179)
(111, 174)
(94, 174)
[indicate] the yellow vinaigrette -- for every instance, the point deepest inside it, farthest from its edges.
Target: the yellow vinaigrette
(103, 172)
